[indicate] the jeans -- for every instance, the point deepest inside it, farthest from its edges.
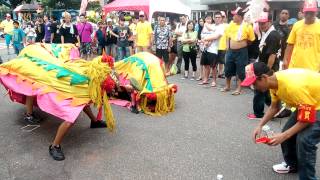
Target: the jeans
(300, 150)
(111, 50)
(179, 53)
(259, 99)
(122, 52)
(187, 57)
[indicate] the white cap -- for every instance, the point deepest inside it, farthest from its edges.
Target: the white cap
(8, 15)
(141, 13)
(109, 20)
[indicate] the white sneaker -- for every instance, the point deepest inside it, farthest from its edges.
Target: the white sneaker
(283, 168)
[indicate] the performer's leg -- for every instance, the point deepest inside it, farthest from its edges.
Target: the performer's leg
(55, 149)
(94, 122)
(29, 116)
(29, 104)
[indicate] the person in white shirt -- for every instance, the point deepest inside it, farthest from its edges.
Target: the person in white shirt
(181, 28)
(210, 55)
(30, 33)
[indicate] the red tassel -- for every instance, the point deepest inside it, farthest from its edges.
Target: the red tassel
(99, 115)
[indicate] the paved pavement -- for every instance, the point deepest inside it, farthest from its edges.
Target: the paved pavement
(208, 134)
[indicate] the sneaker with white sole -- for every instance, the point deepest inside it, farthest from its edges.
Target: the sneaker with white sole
(283, 168)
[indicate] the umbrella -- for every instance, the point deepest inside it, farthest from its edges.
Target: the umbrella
(26, 8)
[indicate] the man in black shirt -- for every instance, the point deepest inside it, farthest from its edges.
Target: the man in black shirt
(55, 31)
(283, 29)
(268, 49)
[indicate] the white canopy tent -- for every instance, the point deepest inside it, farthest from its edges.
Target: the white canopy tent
(169, 6)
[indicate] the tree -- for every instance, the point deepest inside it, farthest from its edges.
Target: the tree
(15, 3)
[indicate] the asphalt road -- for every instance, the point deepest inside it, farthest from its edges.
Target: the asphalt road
(208, 134)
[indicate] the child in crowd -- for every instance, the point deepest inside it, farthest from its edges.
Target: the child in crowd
(30, 33)
(18, 38)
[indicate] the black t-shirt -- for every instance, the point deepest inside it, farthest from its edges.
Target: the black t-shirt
(123, 33)
(55, 30)
(110, 39)
(271, 46)
(68, 36)
(284, 32)
(40, 32)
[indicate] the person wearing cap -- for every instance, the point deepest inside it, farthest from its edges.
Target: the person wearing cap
(298, 88)
(238, 36)
(7, 27)
(144, 34)
(111, 40)
(304, 41)
(268, 50)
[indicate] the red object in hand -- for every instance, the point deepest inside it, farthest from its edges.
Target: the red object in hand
(263, 140)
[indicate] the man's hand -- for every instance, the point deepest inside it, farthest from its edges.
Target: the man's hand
(256, 133)
(277, 139)
(285, 64)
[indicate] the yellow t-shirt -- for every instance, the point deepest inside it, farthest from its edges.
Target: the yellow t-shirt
(234, 32)
(297, 86)
(144, 32)
(133, 28)
(306, 41)
(7, 26)
(223, 39)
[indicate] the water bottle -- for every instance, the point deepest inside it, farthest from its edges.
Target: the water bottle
(267, 131)
(219, 177)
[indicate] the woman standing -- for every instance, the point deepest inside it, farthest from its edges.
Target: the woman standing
(68, 31)
(39, 29)
(189, 50)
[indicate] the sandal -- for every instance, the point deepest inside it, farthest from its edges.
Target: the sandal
(203, 83)
(199, 79)
(213, 84)
(225, 89)
(236, 93)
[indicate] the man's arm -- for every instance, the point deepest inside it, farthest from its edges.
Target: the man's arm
(271, 60)
(287, 55)
(272, 110)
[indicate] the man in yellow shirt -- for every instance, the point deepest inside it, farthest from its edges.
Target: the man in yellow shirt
(298, 88)
(238, 35)
(7, 27)
(304, 41)
(143, 34)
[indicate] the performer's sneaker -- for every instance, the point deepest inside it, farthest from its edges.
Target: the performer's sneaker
(133, 109)
(98, 124)
(253, 117)
(56, 153)
(283, 168)
(31, 119)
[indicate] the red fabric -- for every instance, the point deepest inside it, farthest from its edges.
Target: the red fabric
(128, 5)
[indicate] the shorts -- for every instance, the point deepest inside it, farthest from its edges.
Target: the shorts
(221, 56)
(131, 44)
(17, 48)
(236, 61)
(8, 38)
(85, 48)
(208, 59)
(173, 49)
(163, 54)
